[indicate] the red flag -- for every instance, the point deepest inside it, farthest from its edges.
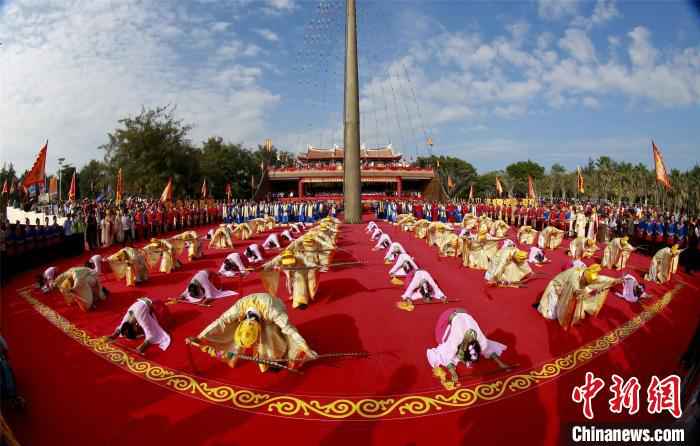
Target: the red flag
(37, 174)
(167, 195)
(228, 191)
(471, 192)
(579, 181)
(120, 187)
(499, 187)
(661, 172)
(71, 191)
(530, 187)
(53, 185)
(204, 189)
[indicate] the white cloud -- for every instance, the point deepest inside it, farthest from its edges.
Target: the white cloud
(591, 102)
(577, 43)
(95, 63)
(604, 11)
(268, 35)
(220, 26)
(556, 9)
(277, 7)
(641, 52)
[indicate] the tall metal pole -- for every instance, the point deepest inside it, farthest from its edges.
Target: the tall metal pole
(352, 187)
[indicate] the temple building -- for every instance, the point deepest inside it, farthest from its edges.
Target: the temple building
(319, 173)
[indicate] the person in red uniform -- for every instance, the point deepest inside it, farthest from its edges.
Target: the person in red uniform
(540, 217)
(138, 223)
(434, 212)
(531, 216)
(450, 213)
(418, 210)
(509, 214)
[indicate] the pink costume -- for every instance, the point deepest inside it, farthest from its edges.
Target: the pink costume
(272, 241)
(397, 270)
(257, 255)
(376, 233)
(294, 227)
(629, 284)
(97, 261)
(532, 256)
(507, 242)
(287, 235)
(371, 227)
(577, 263)
(394, 251)
(153, 332)
(210, 291)
(453, 335)
(383, 242)
(236, 259)
(413, 289)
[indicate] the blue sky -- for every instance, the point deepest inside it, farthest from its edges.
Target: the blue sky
(489, 81)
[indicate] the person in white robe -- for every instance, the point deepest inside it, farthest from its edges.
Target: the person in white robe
(287, 235)
(422, 286)
(201, 289)
(461, 341)
(383, 242)
(272, 242)
(376, 234)
(403, 266)
(142, 319)
(46, 278)
(395, 250)
(371, 226)
(95, 263)
(295, 228)
(232, 266)
(253, 254)
(632, 290)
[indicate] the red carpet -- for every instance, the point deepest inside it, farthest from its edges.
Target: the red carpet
(82, 397)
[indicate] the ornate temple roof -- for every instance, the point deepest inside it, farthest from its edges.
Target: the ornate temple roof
(336, 153)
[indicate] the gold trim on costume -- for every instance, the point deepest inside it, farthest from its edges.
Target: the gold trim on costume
(398, 407)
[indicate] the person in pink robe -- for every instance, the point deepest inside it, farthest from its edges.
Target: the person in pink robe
(395, 250)
(146, 318)
(376, 234)
(253, 254)
(272, 242)
(201, 289)
(232, 266)
(383, 242)
(422, 286)
(403, 266)
(632, 290)
(459, 339)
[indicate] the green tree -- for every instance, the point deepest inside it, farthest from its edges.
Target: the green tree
(93, 179)
(518, 173)
(456, 171)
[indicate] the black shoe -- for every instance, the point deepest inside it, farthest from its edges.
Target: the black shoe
(302, 307)
(536, 305)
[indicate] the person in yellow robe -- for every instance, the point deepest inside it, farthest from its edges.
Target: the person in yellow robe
(527, 235)
(580, 221)
(300, 273)
(550, 238)
(574, 293)
(222, 238)
(582, 248)
(478, 252)
(243, 231)
(320, 248)
(449, 245)
(82, 286)
(663, 264)
(406, 222)
(258, 327)
(162, 251)
(420, 229)
(437, 230)
(469, 221)
(499, 229)
(129, 263)
(617, 253)
(509, 267)
(193, 243)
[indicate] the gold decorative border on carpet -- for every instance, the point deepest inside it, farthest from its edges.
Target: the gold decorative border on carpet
(401, 407)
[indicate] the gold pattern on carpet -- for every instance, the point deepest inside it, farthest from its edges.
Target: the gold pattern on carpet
(401, 407)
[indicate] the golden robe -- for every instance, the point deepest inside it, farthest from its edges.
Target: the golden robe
(499, 229)
(222, 238)
(81, 285)
(164, 252)
(527, 235)
(504, 269)
(478, 253)
(243, 231)
(580, 224)
(469, 221)
(579, 248)
(421, 229)
(616, 255)
(279, 340)
(663, 265)
(301, 278)
(194, 250)
(568, 299)
(449, 244)
(550, 238)
(130, 263)
(437, 230)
